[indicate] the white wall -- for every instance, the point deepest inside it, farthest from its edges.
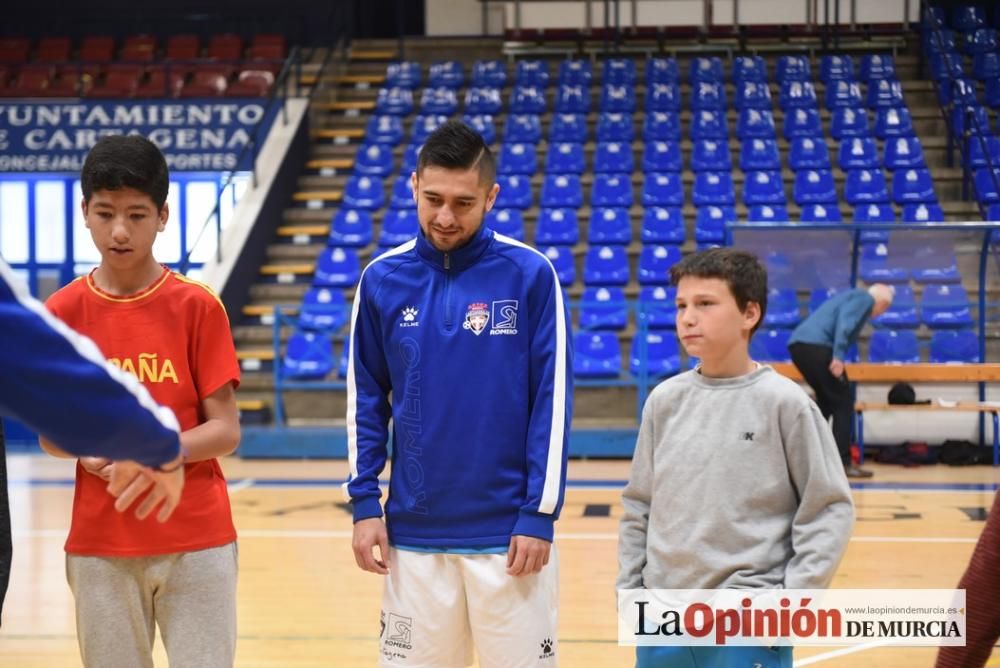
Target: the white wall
(461, 17)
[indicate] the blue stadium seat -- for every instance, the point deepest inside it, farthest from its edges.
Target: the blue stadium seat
(710, 223)
(308, 355)
(663, 225)
(865, 185)
(523, 128)
(753, 95)
(438, 101)
(483, 101)
(402, 193)
(923, 213)
(934, 17)
(797, 95)
(662, 70)
(532, 73)
(563, 262)
(793, 68)
(709, 155)
(705, 68)
(364, 192)
(893, 122)
(528, 100)
(489, 73)
(423, 126)
(709, 125)
(877, 67)
(403, 75)
(749, 68)
(611, 190)
(958, 347)
(373, 160)
(975, 117)
(967, 18)
(986, 66)
(564, 159)
(759, 154)
(902, 314)
(661, 126)
(596, 355)
(802, 123)
(446, 74)
(821, 213)
(561, 191)
(663, 189)
(913, 186)
(755, 124)
(885, 93)
(986, 189)
(767, 213)
(843, 94)
(958, 92)
(613, 158)
(858, 153)
(323, 309)
(983, 40)
(398, 226)
(782, 308)
(606, 265)
(935, 263)
(874, 213)
(939, 41)
(983, 150)
(814, 186)
(618, 71)
(819, 295)
(663, 97)
(394, 102)
(558, 227)
(764, 187)
(350, 228)
(618, 99)
(709, 95)
(836, 68)
(655, 263)
(508, 222)
(575, 73)
(890, 346)
(946, 65)
(877, 266)
(517, 159)
(658, 303)
(662, 356)
(386, 130)
(713, 188)
(848, 122)
(483, 124)
(342, 365)
(662, 156)
(905, 153)
(614, 127)
(337, 268)
(572, 99)
(610, 227)
(771, 345)
(568, 128)
(991, 95)
(603, 308)
(515, 193)
(808, 153)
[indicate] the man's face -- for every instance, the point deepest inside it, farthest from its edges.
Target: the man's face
(709, 322)
(451, 204)
(123, 224)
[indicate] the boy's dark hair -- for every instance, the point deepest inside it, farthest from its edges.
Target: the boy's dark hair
(742, 272)
(130, 161)
(455, 145)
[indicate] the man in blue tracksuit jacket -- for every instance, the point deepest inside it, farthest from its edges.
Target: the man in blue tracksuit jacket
(461, 337)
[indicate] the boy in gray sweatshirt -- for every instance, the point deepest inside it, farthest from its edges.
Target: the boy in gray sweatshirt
(736, 482)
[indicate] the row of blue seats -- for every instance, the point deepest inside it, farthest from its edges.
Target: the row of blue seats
(950, 65)
(964, 18)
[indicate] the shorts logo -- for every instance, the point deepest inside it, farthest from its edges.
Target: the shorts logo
(504, 317)
(476, 318)
(397, 636)
(546, 646)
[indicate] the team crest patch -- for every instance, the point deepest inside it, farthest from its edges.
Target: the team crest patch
(476, 318)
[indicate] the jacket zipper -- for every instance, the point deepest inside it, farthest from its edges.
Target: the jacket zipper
(447, 292)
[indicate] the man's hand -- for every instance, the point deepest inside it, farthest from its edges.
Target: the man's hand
(98, 466)
(130, 480)
(527, 555)
(837, 368)
(367, 534)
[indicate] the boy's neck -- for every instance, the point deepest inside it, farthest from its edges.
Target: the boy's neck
(129, 282)
(732, 365)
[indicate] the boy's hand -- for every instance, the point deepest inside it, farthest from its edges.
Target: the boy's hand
(367, 534)
(130, 480)
(99, 466)
(527, 555)
(837, 368)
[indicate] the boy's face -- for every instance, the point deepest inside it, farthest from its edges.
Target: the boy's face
(451, 204)
(709, 323)
(123, 224)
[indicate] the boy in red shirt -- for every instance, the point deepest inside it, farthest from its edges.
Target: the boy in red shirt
(173, 335)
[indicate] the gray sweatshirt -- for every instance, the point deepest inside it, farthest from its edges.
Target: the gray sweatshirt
(736, 483)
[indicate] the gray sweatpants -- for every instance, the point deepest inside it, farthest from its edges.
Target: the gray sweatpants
(190, 595)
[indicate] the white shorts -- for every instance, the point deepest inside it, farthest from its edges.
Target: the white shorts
(436, 607)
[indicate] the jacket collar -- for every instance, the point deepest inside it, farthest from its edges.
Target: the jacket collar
(457, 259)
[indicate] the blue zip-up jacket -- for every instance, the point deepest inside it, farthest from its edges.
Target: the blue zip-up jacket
(474, 348)
(837, 322)
(58, 383)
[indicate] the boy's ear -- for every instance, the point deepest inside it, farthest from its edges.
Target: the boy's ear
(83, 208)
(163, 215)
(751, 314)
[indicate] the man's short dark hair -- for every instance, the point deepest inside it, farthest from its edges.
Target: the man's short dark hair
(455, 145)
(130, 161)
(742, 272)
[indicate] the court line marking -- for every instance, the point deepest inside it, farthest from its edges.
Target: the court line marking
(240, 485)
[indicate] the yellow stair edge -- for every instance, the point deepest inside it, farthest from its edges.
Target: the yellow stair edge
(334, 133)
(372, 54)
(259, 354)
(275, 269)
(346, 105)
(255, 310)
(361, 78)
(330, 163)
(296, 230)
(324, 195)
(251, 404)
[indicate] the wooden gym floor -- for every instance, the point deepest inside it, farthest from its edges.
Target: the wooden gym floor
(303, 602)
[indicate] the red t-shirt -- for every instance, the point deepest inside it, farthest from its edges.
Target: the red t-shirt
(175, 337)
